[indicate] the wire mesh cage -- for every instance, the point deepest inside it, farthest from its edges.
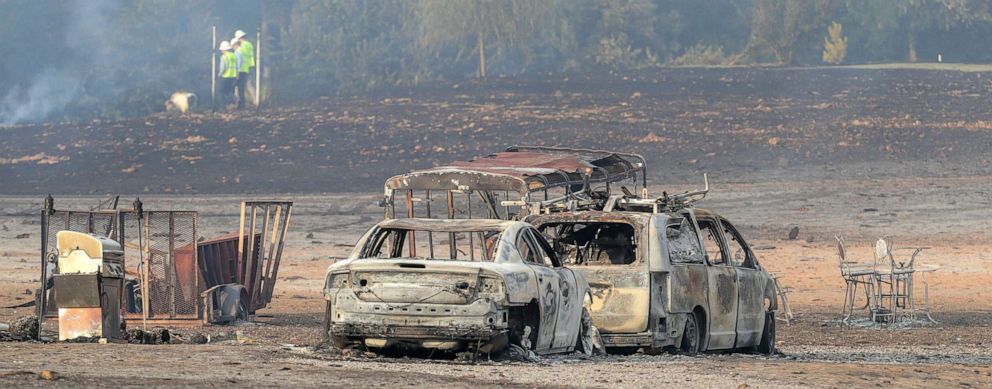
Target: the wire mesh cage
(104, 223)
(166, 285)
(159, 284)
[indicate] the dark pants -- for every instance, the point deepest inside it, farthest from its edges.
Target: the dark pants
(242, 89)
(227, 91)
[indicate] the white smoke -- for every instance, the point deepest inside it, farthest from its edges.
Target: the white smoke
(49, 91)
(57, 85)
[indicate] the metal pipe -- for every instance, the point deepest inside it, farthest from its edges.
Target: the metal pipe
(170, 270)
(239, 271)
(43, 294)
(471, 239)
(275, 267)
(213, 68)
(256, 285)
(430, 234)
(451, 235)
(258, 66)
(411, 214)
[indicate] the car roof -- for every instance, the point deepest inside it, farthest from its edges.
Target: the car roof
(447, 225)
(594, 217)
(525, 169)
(611, 216)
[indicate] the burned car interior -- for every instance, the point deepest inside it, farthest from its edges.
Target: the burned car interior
(683, 242)
(593, 243)
(429, 245)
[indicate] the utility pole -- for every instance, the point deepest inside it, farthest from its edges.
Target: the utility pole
(213, 69)
(258, 66)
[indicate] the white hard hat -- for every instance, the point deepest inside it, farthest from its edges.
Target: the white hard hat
(238, 34)
(234, 42)
(224, 45)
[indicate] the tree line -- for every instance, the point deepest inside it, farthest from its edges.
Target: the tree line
(120, 58)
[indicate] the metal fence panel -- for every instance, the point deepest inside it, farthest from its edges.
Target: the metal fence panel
(171, 289)
(103, 223)
(173, 282)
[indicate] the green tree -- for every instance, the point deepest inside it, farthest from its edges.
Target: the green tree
(472, 25)
(921, 15)
(343, 45)
(778, 28)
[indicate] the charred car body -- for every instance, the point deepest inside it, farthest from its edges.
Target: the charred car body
(454, 285)
(663, 274)
(681, 278)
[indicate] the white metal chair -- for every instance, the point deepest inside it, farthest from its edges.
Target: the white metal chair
(855, 276)
(894, 285)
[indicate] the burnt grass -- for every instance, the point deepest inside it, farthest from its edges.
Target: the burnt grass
(734, 123)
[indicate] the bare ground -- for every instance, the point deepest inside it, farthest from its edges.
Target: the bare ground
(882, 175)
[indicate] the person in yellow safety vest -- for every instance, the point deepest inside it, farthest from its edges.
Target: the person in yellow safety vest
(239, 93)
(246, 50)
(228, 73)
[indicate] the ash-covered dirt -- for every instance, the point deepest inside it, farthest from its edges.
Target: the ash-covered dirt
(740, 123)
(858, 154)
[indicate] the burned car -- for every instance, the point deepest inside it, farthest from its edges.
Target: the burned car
(455, 285)
(663, 274)
(683, 279)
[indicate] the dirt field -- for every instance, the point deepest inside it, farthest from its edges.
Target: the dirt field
(896, 154)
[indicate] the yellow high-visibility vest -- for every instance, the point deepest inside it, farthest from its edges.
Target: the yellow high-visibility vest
(247, 51)
(230, 65)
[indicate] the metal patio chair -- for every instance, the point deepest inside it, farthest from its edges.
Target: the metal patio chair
(894, 285)
(783, 297)
(856, 276)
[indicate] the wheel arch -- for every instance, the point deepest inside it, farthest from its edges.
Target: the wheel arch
(702, 323)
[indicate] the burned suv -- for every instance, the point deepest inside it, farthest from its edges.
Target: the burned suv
(455, 285)
(683, 279)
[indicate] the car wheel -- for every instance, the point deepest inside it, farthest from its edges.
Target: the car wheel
(242, 314)
(691, 338)
(767, 344)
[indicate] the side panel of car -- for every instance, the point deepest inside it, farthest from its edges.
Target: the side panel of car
(620, 299)
(722, 291)
(569, 311)
(751, 285)
(620, 290)
(549, 289)
(751, 313)
(568, 319)
(680, 246)
(521, 287)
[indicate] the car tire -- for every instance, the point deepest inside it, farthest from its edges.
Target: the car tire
(243, 314)
(767, 344)
(691, 336)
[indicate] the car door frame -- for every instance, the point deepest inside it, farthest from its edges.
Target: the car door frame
(568, 320)
(548, 294)
(722, 293)
(750, 292)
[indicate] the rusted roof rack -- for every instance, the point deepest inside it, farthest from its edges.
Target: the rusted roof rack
(526, 169)
(665, 203)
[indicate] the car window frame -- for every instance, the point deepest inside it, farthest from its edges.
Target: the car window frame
(750, 259)
(721, 241)
(686, 218)
(544, 247)
(523, 235)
